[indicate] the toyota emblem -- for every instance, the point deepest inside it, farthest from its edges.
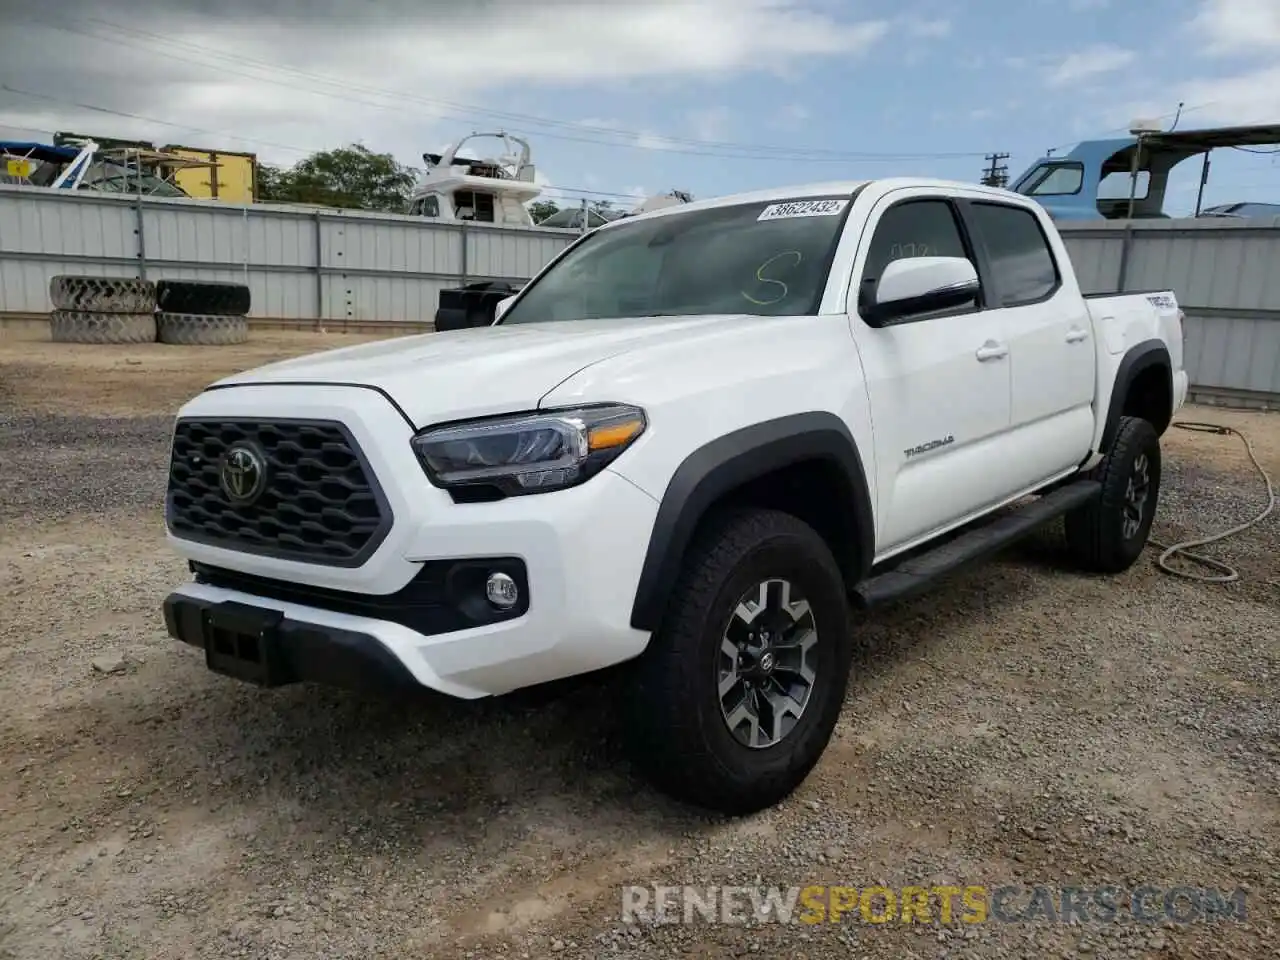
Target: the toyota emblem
(243, 474)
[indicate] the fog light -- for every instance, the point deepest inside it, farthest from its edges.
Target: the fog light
(501, 591)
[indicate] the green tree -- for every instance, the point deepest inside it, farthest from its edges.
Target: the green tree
(539, 210)
(268, 183)
(352, 177)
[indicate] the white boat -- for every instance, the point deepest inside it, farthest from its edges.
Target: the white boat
(491, 189)
(79, 163)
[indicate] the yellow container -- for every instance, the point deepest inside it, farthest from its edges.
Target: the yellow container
(233, 180)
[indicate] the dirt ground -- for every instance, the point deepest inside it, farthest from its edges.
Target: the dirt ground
(44, 377)
(1023, 726)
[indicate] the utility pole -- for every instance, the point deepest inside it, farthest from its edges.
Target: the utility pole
(996, 174)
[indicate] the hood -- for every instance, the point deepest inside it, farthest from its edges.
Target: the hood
(485, 370)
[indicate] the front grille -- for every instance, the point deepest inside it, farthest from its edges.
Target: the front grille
(318, 502)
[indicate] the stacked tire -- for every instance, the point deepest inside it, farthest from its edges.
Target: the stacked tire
(102, 310)
(202, 313)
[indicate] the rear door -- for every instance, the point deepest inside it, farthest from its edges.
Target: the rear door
(937, 384)
(1050, 336)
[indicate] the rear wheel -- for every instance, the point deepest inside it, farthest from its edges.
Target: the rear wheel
(1109, 534)
(737, 695)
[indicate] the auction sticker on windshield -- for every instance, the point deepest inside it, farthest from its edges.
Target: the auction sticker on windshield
(803, 208)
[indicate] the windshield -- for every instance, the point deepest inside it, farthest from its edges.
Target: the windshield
(764, 258)
(110, 177)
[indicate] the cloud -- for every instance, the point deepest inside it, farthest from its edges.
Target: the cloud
(1238, 100)
(926, 29)
(793, 114)
(290, 76)
(1245, 98)
(599, 123)
(648, 140)
(1092, 62)
(711, 123)
(1231, 27)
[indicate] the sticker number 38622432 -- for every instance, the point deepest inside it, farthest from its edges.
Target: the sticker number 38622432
(803, 208)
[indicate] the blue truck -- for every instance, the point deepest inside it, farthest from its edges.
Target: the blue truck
(1127, 177)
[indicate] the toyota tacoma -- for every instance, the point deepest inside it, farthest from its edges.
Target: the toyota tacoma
(695, 447)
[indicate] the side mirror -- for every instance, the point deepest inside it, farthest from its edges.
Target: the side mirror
(501, 306)
(918, 285)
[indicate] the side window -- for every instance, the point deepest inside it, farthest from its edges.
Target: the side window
(1062, 179)
(1116, 186)
(618, 283)
(915, 228)
(1022, 265)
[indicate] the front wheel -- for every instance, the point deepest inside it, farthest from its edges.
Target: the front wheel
(1109, 534)
(738, 693)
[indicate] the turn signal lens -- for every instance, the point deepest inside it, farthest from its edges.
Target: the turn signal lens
(614, 435)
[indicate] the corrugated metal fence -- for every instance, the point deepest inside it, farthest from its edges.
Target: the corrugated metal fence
(307, 263)
(299, 262)
(1226, 275)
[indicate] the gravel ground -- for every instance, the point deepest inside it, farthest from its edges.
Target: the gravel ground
(1023, 725)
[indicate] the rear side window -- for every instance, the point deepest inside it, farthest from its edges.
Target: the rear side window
(1022, 264)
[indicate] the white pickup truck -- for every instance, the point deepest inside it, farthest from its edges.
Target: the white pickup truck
(695, 446)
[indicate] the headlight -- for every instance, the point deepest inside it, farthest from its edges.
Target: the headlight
(529, 453)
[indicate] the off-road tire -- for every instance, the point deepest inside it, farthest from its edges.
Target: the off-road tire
(206, 297)
(102, 294)
(79, 326)
(674, 725)
(201, 330)
(1096, 532)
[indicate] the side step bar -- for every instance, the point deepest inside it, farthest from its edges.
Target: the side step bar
(917, 574)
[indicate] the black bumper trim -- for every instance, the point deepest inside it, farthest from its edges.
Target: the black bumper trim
(294, 651)
(443, 596)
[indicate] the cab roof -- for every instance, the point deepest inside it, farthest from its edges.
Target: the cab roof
(830, 188)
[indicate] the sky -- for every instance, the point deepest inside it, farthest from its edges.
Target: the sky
(637, 97)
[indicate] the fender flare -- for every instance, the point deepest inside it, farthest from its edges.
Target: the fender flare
(1139, 357)
(727, 463)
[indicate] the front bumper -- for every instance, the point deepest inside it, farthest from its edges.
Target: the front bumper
(271, 649)
(579, 552)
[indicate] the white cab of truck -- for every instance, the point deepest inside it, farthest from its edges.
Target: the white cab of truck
(695, 447)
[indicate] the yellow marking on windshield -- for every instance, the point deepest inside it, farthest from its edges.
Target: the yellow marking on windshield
(759, 270)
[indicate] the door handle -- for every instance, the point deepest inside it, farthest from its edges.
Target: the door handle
(1075, 335)
(991, 351)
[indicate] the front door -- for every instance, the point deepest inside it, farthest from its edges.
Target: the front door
(938, 385)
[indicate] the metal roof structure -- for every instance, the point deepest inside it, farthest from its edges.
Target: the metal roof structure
(1215, 138)
(44, 152)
